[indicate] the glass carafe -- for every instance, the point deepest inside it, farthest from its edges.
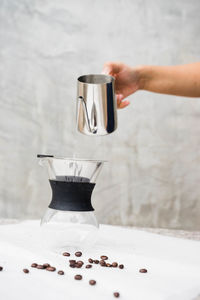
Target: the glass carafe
(69, 221)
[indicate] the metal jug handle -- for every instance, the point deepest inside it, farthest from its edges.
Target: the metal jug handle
(92, 129)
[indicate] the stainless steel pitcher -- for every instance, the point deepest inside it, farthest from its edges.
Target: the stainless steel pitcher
(96, 104)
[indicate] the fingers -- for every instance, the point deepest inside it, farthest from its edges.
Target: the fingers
(120, 97)
(120, 102)
(111, 68)
(123, 104)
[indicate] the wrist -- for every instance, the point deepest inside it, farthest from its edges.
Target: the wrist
(144, 74)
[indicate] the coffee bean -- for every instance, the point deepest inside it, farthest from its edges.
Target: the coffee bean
(51, 269)
(92, 282)
(34, 265)
(1, 268)
(72, 265)
(102, 263)
(26, 271)
(41, 267)
(108, 265)
(116, 295)
(46, 265)
(143, 270)
(90, 260)
(114, 264)
(78, 265)
(96, 261)
(78, 277)
(88, 266)
(80, 262)
(66, 254)
(104, 257)
(72, 261)
(61, 272)
(78, 253)
(121, 266)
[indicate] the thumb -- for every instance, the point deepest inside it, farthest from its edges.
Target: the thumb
(106, 71)
(111, 68)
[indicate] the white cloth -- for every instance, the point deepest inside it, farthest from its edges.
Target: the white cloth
(173, 266)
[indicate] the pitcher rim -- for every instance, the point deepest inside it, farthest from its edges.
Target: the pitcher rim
(112, 79)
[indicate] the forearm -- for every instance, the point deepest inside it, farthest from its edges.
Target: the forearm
(183, 80)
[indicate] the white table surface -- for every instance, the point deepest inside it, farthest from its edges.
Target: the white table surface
(173, 266)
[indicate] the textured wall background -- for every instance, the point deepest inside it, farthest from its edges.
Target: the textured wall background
(153, 174)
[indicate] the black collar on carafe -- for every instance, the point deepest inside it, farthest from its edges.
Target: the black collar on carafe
(71, 195)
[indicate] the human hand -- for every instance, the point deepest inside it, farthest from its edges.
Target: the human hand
(126, 80)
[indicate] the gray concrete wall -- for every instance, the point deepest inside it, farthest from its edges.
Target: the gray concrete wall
(152, 177)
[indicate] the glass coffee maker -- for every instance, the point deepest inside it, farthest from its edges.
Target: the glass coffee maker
(69, 221)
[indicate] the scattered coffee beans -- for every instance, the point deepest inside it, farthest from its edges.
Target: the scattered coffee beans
(104, 257)
(92, 282)
(88, 266)
(61, 272)
(78, 277)
(143, 270)
(66, 254)
(51, 269)
(41, 267)
(96, 261)
(78, 264)
(114, 264)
